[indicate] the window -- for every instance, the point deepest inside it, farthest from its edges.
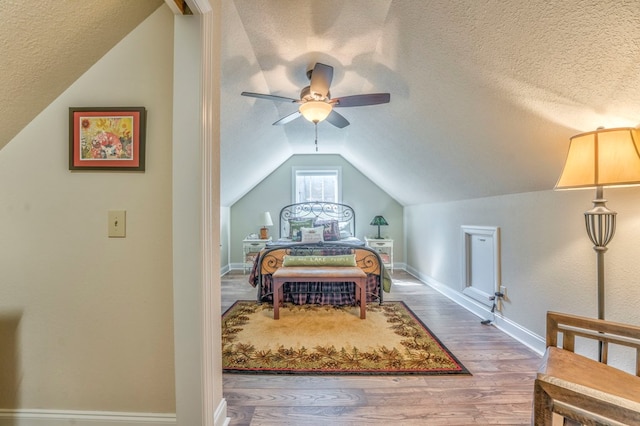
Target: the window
(317, 184)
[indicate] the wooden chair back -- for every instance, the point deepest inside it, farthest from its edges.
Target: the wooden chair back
(571, 389)
(607, 332)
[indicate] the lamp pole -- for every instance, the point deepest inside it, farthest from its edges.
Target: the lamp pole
(604, 157)
(601, 226)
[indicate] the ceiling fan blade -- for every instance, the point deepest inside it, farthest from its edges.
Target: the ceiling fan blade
(337, 120)
(321, 77)
(361, 100)
(270, 97)
(288, 118)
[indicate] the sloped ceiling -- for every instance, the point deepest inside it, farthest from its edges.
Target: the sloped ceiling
(47, 44)
(484, 93)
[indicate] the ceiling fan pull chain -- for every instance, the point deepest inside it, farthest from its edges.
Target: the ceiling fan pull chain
(316, 126)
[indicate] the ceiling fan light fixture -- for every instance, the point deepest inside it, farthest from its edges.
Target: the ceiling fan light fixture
(315, 102)
(315, 111)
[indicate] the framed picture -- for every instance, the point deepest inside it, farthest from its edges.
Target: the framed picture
(107, 138)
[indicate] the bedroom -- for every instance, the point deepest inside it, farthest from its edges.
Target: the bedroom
(548, 262)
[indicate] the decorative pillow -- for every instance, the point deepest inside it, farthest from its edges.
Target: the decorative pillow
(341, 260)
(345, 229)
(312, 235)
(295, 225)
(331, 230)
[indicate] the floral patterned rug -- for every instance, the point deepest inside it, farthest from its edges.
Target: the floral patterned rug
(321, 339)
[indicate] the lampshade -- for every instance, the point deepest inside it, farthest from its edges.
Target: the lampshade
(605, 157)
(315, 111)
(379, 221)
(265, 219)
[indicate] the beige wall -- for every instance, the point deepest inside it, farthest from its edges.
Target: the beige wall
(274, 192)
(86, 321)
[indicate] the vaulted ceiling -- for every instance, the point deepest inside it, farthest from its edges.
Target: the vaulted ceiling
(484, 93)
(48, 44)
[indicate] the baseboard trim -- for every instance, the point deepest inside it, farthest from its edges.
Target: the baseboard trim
(225, 269)
(220, 416)
(40, 417)
(236, 266)
(513, 329)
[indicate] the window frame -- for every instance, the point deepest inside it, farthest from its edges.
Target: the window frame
(317, 170)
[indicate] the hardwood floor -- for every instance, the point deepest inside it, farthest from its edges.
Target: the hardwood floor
(500, 390)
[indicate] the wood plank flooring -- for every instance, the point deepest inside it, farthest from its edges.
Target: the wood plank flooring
(500, 390)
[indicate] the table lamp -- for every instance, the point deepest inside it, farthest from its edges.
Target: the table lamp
(379, 221)
(265, 220)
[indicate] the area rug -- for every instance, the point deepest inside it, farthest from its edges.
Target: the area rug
(314, 339)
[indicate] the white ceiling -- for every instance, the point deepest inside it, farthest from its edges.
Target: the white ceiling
(48, 44)
(484, 93)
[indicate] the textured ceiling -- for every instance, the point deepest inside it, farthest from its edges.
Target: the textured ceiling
(48, 44)
(484, 93)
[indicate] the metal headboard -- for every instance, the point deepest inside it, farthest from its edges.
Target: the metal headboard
(317, 210)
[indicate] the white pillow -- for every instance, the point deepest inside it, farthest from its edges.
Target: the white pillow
(345, 229)
(312, 235)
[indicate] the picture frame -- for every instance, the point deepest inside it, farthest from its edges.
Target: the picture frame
(107, 138)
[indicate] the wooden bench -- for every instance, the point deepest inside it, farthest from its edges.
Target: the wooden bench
(319, 274)
(580, 389)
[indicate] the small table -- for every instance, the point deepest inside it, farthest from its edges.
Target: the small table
(384, 247)
(295, 274)
(250, 250)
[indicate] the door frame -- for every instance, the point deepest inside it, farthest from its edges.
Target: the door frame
(468, 232)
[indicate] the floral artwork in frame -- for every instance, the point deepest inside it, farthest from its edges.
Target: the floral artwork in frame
(107, 138)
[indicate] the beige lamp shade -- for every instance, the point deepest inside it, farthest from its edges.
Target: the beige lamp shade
(265, 219)
(605, 157)
(315, 111)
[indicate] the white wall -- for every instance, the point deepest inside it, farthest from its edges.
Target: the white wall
(547, 259)
(225, 231)
(197, 220)
(89, 318)
(274, 192)
(187, 221)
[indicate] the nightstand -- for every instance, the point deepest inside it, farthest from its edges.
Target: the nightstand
(250, 250)
(384, 247)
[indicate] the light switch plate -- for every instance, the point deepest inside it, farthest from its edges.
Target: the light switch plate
(117, 223)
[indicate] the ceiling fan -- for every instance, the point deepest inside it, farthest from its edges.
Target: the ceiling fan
(315, 100)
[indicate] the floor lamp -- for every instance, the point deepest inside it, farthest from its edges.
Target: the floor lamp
(605, 157)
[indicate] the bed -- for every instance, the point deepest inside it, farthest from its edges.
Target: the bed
(311, 234)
